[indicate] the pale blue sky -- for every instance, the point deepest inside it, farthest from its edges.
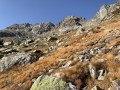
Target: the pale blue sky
(38, 11)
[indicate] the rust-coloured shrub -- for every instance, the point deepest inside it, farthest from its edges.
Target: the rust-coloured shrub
(110, 56)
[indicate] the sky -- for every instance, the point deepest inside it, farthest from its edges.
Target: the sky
(40, 11)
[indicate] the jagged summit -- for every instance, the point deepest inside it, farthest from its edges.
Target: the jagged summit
(71, 20)
(106, 9)
(69, 23)
(118, 2)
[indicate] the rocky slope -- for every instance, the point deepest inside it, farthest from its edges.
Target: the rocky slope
(76, 54)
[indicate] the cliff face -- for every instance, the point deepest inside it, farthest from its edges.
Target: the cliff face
(105, 12)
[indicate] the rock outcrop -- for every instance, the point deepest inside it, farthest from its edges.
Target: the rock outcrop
(105, 12)
(42, 27)
(19, 59)
(70, 23)
(50, 83)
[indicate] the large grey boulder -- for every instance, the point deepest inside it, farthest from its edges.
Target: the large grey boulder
(51, 83)
(17, 59)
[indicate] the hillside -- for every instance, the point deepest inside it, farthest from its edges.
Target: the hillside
(75, 54)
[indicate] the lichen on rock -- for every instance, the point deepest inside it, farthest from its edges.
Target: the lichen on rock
(49, 83)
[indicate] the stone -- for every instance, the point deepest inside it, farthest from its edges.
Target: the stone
(27, 50)
(37, 51)
(116, 84)
(51, 70)
(3, 49)
(58, 41)
(80, 31)
(16, 59)
(108, 31)
(8, 43)
(30, 71)
(92, 52)
(110, 88)
(66, 65)
(72, 87)
(19, 84)
(59, 74)
(59, 44)
(111, 38)
(52, 39)
(49, 83)
(9, 51)
(101, 74)
(101, 60)
(92, 70)
(81, 57)
(62, 60)
(33, 80)
(52, 48)
(29, 41)
(37, 40)
(41, 58)
(96, 88)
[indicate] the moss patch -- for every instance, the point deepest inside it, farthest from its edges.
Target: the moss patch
(49, 83)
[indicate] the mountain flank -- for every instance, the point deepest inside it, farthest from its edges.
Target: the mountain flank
(75, 54)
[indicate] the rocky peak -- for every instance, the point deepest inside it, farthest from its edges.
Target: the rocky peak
(69, 23)
(106, 9)
(118, 2)
(71, 20)
(42, 27)
(19, 26)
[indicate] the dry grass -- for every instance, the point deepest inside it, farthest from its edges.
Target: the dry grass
(78, 74)
(110, 56)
